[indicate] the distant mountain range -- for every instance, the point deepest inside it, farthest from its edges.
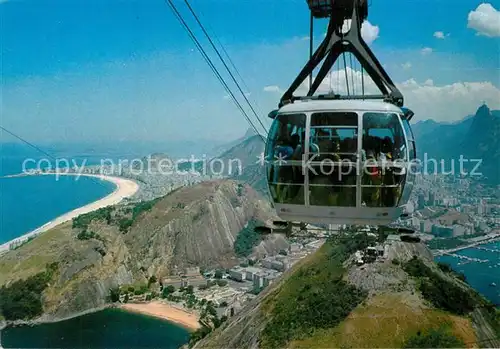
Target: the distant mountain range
(474, 137)
(222, 148)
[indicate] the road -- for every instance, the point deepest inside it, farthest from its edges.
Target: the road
(441, 252)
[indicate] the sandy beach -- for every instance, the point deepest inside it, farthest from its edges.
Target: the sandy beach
(124, 188)
(165, 311)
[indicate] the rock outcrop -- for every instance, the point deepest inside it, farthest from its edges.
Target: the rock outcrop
(192, 226)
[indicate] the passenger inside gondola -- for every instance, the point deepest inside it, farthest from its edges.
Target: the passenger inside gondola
(282, 154)
(383, 143)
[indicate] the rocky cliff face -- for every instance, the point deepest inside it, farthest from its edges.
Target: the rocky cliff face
(192, 226)
(196, 226)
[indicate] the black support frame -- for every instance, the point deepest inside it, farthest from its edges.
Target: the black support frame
(336, 43)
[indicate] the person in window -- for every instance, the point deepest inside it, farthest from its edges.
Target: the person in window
(371, 178)
(299, 147)
(387, 149)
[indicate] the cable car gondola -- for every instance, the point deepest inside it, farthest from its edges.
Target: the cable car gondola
(341, 159)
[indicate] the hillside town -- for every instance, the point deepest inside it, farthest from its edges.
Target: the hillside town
(228, 290)
(453, 210)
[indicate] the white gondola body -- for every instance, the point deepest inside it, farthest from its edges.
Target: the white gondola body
(340, 162)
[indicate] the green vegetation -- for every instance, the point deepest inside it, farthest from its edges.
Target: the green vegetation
(105, 214)
(448, 269)
(167, 291)
(247, 239)
(114, 294)
(22, 299)
(256, 290)
(221, 283)
(124, 224)
(87, 235)
(143, 207)
(152, 280)
(315, 297)
(442, 293)
(138, 290)
(209, 322)
(83, 220)
(434, 338)
(198, 335)
(239, 190)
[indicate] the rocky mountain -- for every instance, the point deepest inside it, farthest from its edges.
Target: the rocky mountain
(475, 137)
(241, 162)
(329, 301)
(126, 245)
(253, 171)
(220, 149)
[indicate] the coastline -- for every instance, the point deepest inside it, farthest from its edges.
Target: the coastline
(124, 189)
(45, 319)
(165, 311)
(157, 309)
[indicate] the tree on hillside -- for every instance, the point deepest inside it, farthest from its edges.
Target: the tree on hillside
(114, 294)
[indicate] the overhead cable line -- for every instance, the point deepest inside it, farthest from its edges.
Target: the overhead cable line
(209, 62)
(232, 64)
(224, 63)
(345, 71)
(39, 149)
(352, 74)
(26, 142)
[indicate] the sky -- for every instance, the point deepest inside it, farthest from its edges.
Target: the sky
(94, 70)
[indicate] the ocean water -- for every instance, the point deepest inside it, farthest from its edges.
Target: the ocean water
(480, 275)
(29, 202)
(111, 328)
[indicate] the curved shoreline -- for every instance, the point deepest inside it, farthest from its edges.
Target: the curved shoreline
(124, 189)
(164, 311)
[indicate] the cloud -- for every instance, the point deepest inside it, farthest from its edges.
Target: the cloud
(441, 35)
(485, 19)
(449, 102)
(429, 82)
(369, 32)
(406, 65)
(426, 51)
(272, 88)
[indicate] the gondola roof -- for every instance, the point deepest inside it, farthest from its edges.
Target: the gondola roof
(334, 105)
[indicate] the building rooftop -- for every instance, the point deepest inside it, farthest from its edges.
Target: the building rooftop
(253, 270)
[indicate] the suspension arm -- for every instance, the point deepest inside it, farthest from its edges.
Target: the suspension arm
(336, 43)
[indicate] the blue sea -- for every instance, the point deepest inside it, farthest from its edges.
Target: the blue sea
(29, 202)
(111, 328)
(480, 275)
